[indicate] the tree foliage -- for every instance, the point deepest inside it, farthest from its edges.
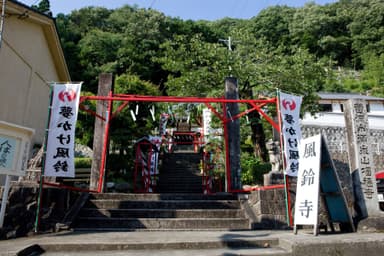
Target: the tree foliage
(335, 47)
(44, 6)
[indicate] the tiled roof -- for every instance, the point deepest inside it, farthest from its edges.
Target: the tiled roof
(346, 96)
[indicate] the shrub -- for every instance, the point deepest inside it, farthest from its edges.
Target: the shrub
(83, 162)
(253, 169)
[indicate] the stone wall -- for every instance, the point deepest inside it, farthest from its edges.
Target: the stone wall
(337, 144)
(20, 213)
(266, 209)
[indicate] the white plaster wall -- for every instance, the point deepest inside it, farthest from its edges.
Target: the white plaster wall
(26, 65)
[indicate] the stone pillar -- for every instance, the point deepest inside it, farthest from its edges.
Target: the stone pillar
(105, 86)
(233, 132)
(360, 159)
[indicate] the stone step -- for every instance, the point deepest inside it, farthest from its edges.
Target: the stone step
(181, 189)
(181, 252)
(192, 176)
(163, 204)
(181, 171)
(95, 223)
(164, 243)
(182, 155)
(187, 187)
(181, 182)
(160, 197)
(162, 213)
(185, 162)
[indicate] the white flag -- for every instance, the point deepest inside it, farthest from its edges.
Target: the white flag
(290, 115)
(60, 154)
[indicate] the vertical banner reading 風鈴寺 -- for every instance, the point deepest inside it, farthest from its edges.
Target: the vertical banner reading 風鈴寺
(60, 150)
(308, 182)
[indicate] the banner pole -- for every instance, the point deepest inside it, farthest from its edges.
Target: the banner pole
(286, 181)
(41, 182)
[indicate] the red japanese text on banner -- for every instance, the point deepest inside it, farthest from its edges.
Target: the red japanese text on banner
(59, 161)
(290, 115)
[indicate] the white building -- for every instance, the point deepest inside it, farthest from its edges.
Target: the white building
(332, 111)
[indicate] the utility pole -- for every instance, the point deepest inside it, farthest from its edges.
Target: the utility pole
(228, 42)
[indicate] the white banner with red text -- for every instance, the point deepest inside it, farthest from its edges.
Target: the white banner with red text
(290, 114)
(60, 149)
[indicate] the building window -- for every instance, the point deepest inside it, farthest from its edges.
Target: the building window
(325, 107)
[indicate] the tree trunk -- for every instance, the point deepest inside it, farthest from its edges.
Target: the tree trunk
(258, 136)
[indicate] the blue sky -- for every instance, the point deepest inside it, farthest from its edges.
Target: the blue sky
(185, 9)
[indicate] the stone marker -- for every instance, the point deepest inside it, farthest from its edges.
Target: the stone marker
(361, 162)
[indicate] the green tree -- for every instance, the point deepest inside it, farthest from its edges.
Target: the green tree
(195, 66)
(373, 73)
(98, 53)
(272, 25)
(198, 68)
(323, 30)
(367, 28)
(44, 6)
(124, 129)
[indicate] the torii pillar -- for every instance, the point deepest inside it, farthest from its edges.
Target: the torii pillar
(105, 86)
(233, 133)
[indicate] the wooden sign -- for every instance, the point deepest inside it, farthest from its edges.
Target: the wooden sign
(15, 143)
(14, 148)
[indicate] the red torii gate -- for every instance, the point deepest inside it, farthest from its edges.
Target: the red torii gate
(256, 105)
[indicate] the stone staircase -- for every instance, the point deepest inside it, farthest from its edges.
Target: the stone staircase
(161, 212)
(180, 173)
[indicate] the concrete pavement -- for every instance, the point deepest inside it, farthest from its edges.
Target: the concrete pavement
(196, 243)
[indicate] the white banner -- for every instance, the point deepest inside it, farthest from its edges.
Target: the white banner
(290, 115)
(308, 181)
(60, 154)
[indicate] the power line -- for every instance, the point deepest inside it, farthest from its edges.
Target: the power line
(34, 2)
(153, 2)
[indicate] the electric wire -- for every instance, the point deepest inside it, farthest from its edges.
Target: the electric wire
(152, 4)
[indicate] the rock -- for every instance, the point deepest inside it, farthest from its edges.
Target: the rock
(83, 151)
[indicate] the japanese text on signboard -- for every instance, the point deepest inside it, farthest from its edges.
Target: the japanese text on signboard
(362, 135)
(7, 147)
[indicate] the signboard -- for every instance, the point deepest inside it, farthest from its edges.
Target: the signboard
(60, 153)
(308, 178)
(317, 176)
(290, 115)
(15, 143)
